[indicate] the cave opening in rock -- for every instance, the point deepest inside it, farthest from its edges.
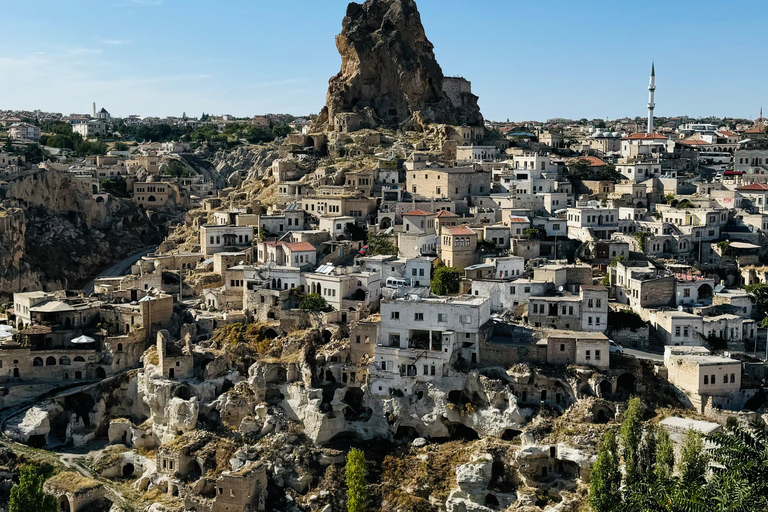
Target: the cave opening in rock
(273, 396)
(327, 336)
(510, 434)
(194, 471)
(128, 470)
(605, 389)
(181, 392)
(36, 441)
(406, 433)
(491, 501)
(626, 383)
(81, 404)
(461, 432)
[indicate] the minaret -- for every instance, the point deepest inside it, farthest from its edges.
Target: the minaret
(651, 104)
(94, 110)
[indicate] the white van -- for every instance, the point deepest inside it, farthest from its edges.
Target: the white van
(396, 282)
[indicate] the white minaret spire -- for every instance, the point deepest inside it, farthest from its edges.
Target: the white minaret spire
(651, 104)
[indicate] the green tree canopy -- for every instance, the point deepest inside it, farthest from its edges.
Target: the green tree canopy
(445, 281)
(631, 434)
(380, 244)
(534, 233)
(314, 303)
(28, 494)
(357, 491)
(758, 292)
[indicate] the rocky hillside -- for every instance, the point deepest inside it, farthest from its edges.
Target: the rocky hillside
(60, 236)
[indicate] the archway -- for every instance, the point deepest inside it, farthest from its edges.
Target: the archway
(626, 383)
(327, 336)
(128, 470)
(705, 291)
(62, 504)
(270, 334)
(181, 392)
(171, 373)
(510, 434)
(101, 373)
(385, 223)
(50, 361)
(151, 199)
(64, 361)
(79, 359)
(38, 361)
(194, 471)
(606, 389)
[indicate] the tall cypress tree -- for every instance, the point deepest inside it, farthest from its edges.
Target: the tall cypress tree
(631, 435)
(605, 481)
(357, 492)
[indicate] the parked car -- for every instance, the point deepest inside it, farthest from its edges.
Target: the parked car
(615, 348)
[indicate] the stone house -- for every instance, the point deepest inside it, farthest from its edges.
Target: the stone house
(215, 239)
(703, 377)
(580, 348)
(507, 295)
(458, 247)
(288, 254)
(418, 338)
(678, 327)
(345, 288)
(587, 311)
(175, 362)
(242, 490)
(76, 493)
(418, 235)
(453, 183)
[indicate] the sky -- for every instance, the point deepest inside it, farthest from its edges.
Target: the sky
(527, 60)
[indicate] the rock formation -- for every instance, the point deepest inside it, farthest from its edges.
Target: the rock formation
(389, 74)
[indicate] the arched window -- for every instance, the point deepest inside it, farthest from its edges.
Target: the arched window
(119, 347)
(50, 361)
(64, 361)
(79, 359)
(38, 361)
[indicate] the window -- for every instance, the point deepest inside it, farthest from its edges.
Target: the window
(383, 366)
(527, 289)
(419, 317)
(677, 330)
(395, 315)
(441, 317)
(588, 355)
(706, 379)
(570, 310)
(433, 370)
(733, 375)
(712, 379)
(687, 292)
(357, 339)
(426, 369)
(562, 347)
(590, 303)
(512, 290)
(597, 355)
(535, 308)
(685, 331)
(597, 303)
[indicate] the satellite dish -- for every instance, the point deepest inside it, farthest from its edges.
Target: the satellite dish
(680, 308)
(559, 288)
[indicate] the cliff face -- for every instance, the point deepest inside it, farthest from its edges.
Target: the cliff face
(56, 236)
(389, 73)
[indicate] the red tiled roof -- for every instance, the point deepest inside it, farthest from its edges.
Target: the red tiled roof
(300, 246)
(420, 213)
(761, 187)
(694, 142)
(518, 219)
(459, 230)
(445, 214)
(646, 136)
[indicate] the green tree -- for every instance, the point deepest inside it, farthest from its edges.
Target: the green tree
(693, 461)
(33, 154)
(646, 454)
(28, 494)
(605, 480)
(665, 456)
(534, 233)
(631, 434)
(758, 292)
(445, 281)
(380, 244)
(357, 492)
(120, 146)
(314, 303)
(642, 238)
(8, 144)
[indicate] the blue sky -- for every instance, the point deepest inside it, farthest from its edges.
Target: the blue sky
(526, 59)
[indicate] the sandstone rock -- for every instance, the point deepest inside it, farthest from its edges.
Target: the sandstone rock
(419, 442)
(389, 73)
(475, 475)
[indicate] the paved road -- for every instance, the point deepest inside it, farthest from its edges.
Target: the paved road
(642, 354)
(118, 269)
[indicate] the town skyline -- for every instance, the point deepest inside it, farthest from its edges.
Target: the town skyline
(234, 73)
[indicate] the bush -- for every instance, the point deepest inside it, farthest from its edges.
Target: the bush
(446, 281)
(28, 494)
